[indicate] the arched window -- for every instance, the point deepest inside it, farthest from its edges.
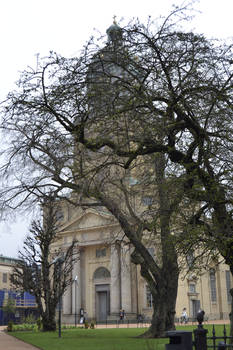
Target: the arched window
(101, 272)
(213, 291)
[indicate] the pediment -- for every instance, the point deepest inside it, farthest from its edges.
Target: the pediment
(89, 219)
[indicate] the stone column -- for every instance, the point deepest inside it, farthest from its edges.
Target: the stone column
(76, 288)
(125, 280)
(67, 301)
(115, 280)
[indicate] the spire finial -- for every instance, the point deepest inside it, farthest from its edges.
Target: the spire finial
(114, 19)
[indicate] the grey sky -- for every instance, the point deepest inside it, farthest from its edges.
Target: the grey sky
(29, 27)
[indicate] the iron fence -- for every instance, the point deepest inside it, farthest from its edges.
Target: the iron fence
(220, 342)
(182, 339)
(123, 324)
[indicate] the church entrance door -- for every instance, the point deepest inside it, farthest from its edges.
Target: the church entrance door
(102, 302)
(102, 312)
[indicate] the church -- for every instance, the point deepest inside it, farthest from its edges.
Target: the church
(105, 280)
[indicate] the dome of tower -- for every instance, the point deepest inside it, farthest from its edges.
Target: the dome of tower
(114, 32)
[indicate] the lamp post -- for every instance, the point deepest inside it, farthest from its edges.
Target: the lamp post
(75, 300)
(59, 261)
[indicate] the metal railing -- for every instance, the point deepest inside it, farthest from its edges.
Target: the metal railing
(25, 303)
(224, 340)
(21, 302)
(127, 323)
(202, 341)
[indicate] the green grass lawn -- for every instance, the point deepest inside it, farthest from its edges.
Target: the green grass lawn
(92, 339)
(98, 339)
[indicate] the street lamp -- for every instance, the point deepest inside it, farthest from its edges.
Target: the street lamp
(59, 261)
(75, 300)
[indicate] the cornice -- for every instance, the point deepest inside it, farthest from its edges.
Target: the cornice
(86, 229)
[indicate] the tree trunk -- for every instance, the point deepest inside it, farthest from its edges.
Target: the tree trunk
(164, 304)
(49, 324)
(164, 288)
(49, 321)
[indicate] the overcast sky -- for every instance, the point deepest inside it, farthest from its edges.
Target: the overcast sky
(30, 27)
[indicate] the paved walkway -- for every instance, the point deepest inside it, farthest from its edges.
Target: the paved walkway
(7, 342)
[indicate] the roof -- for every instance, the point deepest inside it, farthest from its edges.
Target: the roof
(8, 260)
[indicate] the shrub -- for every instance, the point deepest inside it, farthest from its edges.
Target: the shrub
(10, 326)
(25, 327)
(67, 326)
(39, 323)
(30, 319)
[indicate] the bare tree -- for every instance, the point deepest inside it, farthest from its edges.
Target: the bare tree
(92, 124)
(42, 271)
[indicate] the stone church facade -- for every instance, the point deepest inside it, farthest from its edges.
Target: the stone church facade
(105, 281)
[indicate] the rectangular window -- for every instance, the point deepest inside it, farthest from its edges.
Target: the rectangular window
(213, 291)
(147, 200)
(192, 288)
(4, 277)
(149, 303)
(100, 252)
(59, 215)
(190, 259)
(228, 285)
